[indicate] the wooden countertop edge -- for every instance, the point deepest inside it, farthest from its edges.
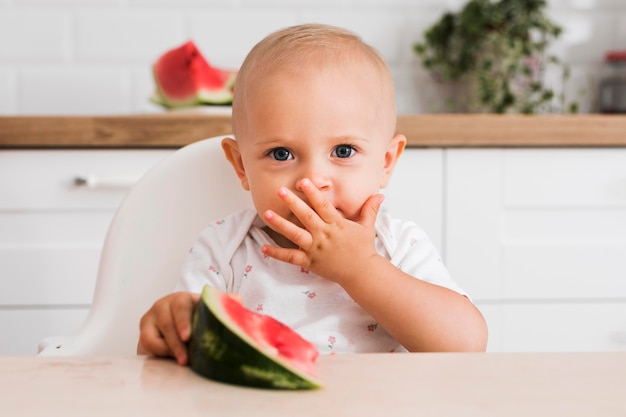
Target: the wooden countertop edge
(427, 130)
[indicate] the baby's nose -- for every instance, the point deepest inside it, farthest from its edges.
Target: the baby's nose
(319, 176)
(321, 181)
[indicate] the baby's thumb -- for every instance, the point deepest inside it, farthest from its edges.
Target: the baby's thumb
(370, 209)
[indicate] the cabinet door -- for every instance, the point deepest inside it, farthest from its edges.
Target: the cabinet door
(556, 327)
(415, 191)
(539, 227)
(52, 228)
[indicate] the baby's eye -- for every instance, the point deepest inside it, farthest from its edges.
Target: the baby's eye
(344, 151)
(281, 154)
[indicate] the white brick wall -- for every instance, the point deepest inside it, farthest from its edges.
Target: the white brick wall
(94, 56)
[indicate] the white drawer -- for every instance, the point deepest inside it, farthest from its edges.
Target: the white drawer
(22, 330)
(558, 327)
(45, 180)
(50, 258)
(540, 224)
(574, 178)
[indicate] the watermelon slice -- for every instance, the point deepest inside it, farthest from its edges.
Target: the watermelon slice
(232, 344)
(184, 78)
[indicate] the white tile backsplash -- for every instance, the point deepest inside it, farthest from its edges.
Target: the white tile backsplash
(7, 91)
(130, 37)
(225, 37)
(34, 36)
(142, 89)
(381, 29)
(94, 56)
(620, 37)
(69, 3)
(175, 4)
(585, 37)
(587, 4)
(333, 4)
(63, 91)
(422, 4)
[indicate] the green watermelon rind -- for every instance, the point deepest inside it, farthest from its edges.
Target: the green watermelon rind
(206, 100)
(221, 351)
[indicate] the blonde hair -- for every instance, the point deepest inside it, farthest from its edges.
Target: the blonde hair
(300, 46)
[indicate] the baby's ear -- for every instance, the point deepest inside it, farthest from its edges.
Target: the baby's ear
(394, 150)
(232, 153)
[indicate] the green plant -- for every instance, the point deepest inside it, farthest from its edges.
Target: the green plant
(497, 51)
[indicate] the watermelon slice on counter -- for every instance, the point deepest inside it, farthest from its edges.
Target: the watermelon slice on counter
(232, 344)
(184, 78)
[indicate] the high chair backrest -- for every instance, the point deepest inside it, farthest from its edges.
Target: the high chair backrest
(147, 241)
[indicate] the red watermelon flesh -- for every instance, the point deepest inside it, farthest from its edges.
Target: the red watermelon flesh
(184, 78)
(272, 334)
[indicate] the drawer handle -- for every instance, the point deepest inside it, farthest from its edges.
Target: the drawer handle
(111, 181)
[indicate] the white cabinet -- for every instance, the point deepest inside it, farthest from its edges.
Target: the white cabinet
(51, 233)
(415, 191)
(538, 238)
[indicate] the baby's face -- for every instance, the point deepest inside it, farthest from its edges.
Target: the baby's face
(333, 127)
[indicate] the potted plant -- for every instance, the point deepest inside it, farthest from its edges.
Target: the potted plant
(495, 52)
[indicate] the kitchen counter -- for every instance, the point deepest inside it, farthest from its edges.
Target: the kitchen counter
(176, 129)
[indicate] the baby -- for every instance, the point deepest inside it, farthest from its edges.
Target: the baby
(314, 121)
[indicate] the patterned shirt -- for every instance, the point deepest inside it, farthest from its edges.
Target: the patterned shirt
(228, 256)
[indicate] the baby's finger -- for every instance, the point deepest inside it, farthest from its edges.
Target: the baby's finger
(182, 312)
(167, 326)
(307, 215)
(370, 209)
(292, 256)
(324, 209)
(151, 340)
(295, 234)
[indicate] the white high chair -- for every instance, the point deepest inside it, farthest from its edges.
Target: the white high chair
(147, 241)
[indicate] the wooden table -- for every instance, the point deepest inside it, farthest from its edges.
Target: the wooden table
(389, 385)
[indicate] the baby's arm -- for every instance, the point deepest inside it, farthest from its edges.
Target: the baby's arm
(166, 327)
(419, 315)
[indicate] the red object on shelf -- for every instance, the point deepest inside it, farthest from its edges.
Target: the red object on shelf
(615, 56)
(612, 97)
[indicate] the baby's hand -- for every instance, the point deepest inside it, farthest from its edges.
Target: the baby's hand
(328, 243)
(166, 327)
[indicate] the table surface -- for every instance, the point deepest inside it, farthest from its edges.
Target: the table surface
(448, 384)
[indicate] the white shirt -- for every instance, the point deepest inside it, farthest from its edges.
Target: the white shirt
(228, 256)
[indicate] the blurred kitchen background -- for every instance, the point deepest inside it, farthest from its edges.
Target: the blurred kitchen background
(81, 57)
